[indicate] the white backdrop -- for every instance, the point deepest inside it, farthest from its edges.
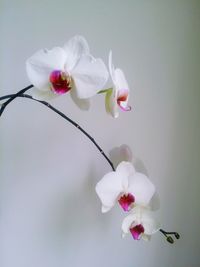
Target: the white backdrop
(49, 212)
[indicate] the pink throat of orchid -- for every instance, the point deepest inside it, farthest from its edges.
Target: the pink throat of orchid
(60, 82)
(137, 231)
(122, 97)
(126, 201)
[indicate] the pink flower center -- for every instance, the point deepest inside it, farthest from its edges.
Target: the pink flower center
(60, 82)
(126, 201)
(122, 97)
(136, 231)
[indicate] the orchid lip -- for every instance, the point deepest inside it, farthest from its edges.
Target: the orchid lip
(123, 95)
(126, 201)
(137, 231)
(128, 108)
(60, 82)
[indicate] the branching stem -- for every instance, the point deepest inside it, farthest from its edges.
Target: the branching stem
(169, 235)
(11, 98)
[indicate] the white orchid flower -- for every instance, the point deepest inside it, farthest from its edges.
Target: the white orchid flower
(55, 72)
(140, 223)
(117, 97)
(125, 186)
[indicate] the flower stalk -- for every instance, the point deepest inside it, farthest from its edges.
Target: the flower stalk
(169, 235)
(22, 94)
(12, 97)
(72, 68)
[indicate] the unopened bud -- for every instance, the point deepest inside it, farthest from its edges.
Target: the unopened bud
(170, 239)
(177, 235)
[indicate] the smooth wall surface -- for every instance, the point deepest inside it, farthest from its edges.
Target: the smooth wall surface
(49, 213)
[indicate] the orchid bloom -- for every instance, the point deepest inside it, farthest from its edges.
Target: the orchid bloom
(72, 67)
(125, 186)
(117, 97)
(140, 223)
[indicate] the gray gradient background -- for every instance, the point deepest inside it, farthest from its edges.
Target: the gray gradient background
(49, 213)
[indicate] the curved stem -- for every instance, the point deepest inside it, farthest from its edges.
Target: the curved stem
(169, 233)
(6, 97)
(13, 96)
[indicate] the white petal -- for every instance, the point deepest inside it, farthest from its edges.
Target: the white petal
(125, 168)
(111, 103)
(146, 237)
(111, 67)
(111, 96)
(42, 63)
(108, 189)
(128, 221)
(89, 75)
(150, 225)
(105, 209)
(141, 188)
(123, 235)
(75, 48)
(121, 85)
(83, 104)
(120, 79)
